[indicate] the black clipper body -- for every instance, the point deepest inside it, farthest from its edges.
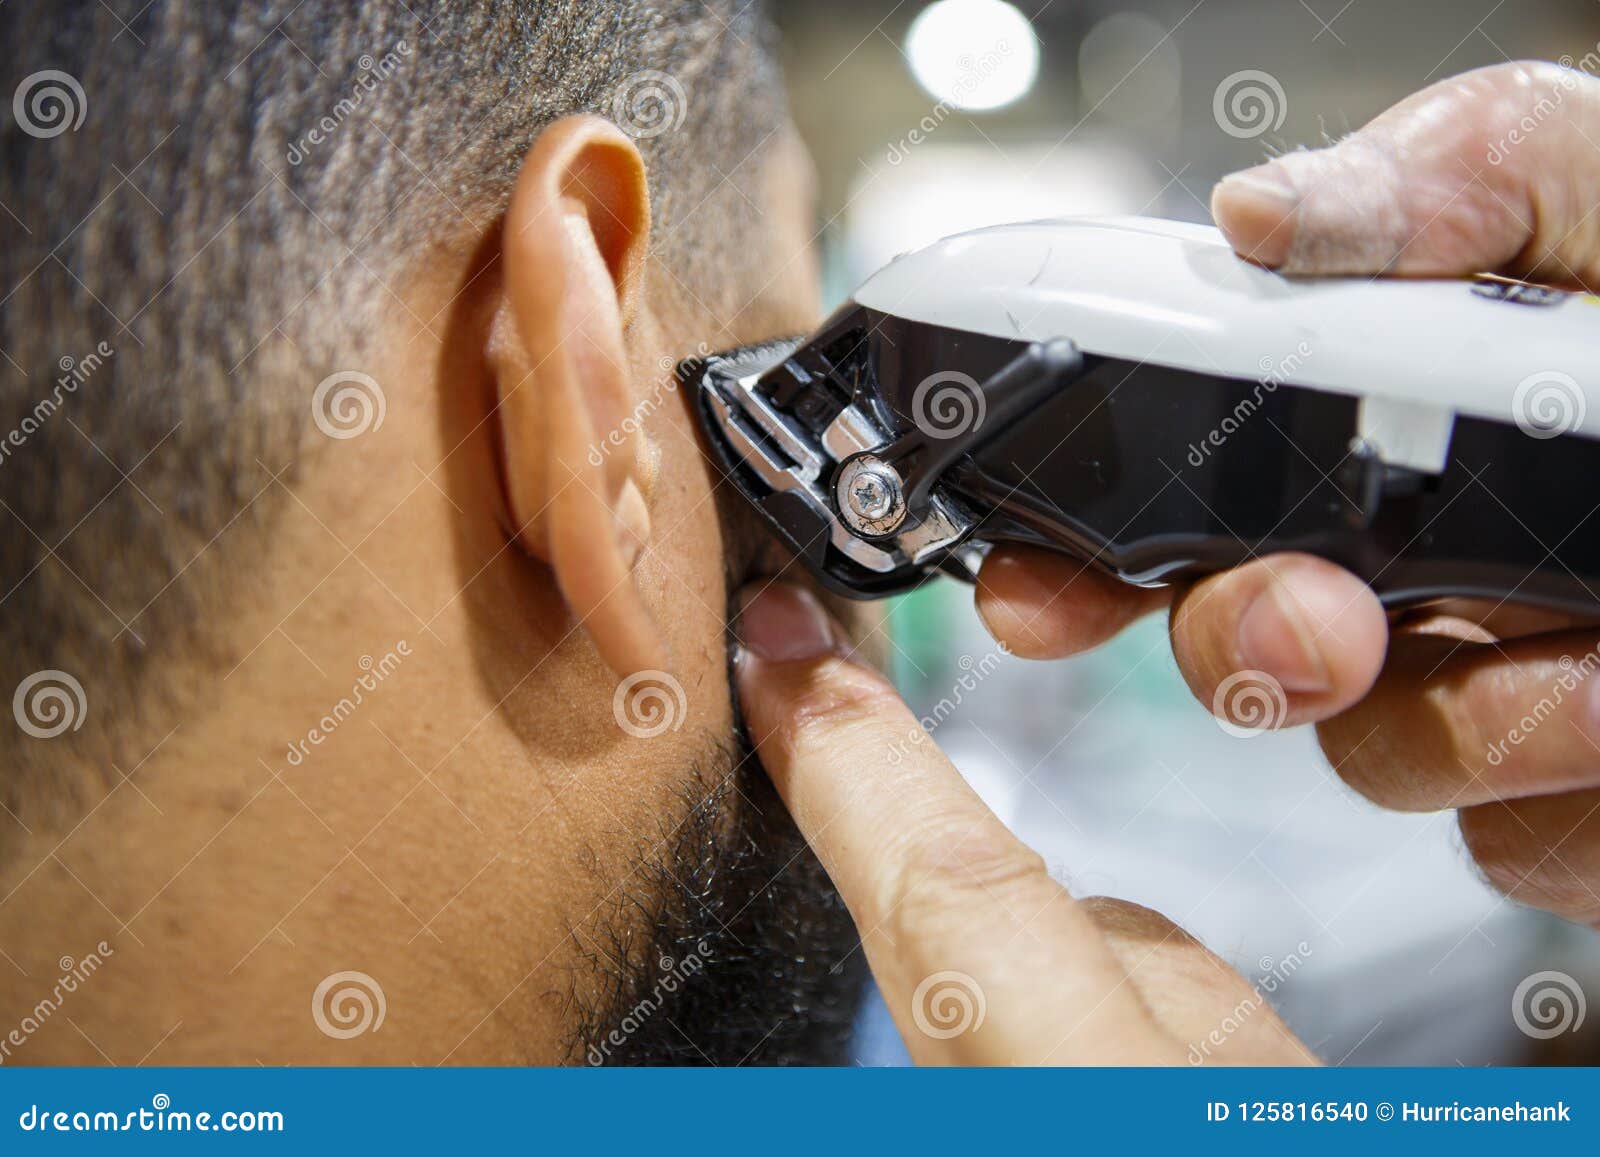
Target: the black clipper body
(893, 445)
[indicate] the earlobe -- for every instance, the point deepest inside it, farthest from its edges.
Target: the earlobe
(577, 471)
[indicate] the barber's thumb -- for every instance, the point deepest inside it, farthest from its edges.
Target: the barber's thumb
(1487, 171)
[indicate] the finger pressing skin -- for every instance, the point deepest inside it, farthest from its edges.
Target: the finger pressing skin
(1543, 851)
(1045, 605)
(958, 918)
(1452, 723)
(1286, 639)
(1450, 181)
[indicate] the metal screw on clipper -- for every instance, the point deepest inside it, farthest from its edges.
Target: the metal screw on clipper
(871, 495)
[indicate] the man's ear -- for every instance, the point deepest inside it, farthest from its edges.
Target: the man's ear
(578, 473)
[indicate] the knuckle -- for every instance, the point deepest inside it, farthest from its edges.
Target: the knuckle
(1534, 79)
(1482, 832)
(1469, 707)
(949, 867)
(1340, 742)
(1518, 864)
(1374, 759)
(1503, 732)
(1161, 950)
(1124, 918)
(1422, 747)
(1506, 92)
(838, 700)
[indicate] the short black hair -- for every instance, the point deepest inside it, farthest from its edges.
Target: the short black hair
(201, 208)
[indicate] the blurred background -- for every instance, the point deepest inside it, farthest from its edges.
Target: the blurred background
(1369, 931)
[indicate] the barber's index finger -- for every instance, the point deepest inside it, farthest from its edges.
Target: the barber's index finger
(934, 880)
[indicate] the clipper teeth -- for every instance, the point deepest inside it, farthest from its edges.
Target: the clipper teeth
(762, 353)
(741, 361)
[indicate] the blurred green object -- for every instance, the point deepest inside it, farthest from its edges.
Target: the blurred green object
(926, 626)
(932, 626)
(1141, 658)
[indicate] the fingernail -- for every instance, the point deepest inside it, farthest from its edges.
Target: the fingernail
(1255, 210)
(782, 622)
(1274, 637)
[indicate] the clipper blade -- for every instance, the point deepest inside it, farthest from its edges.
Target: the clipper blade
(747, 359)
(781, 419)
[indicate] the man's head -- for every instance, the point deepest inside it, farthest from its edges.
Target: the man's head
(355, 533)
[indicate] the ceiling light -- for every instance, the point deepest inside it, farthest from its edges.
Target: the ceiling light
(973, 54)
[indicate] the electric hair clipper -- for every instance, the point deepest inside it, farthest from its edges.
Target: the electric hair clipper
(1132, 393)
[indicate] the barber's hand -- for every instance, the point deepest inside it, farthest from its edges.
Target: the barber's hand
(980, 955)
(1491, 710)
